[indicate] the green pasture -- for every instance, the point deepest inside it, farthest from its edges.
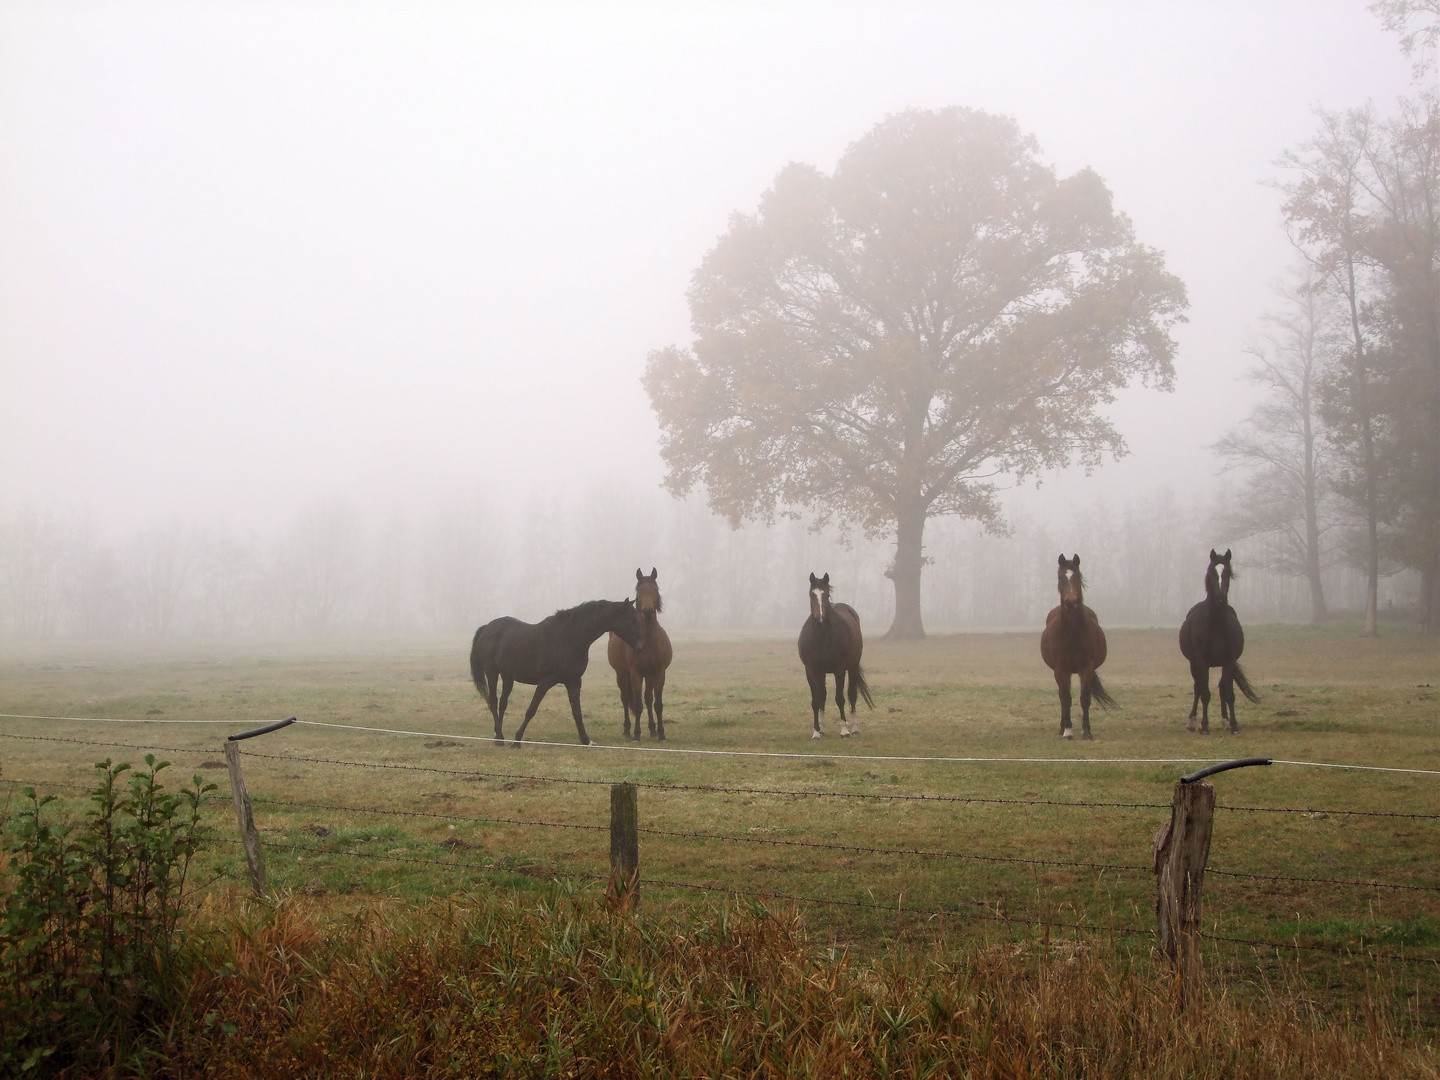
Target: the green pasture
(1328, 695)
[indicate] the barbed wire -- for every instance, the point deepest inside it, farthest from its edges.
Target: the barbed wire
(857, 904)
(430, 814)
(822, 846)
(123, 746)
(1324, 881)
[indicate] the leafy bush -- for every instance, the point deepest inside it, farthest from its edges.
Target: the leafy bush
(89, 935)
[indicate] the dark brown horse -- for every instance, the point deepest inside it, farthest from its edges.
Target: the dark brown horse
(554, 650)
(831, 644)
(643, 670)
(1211, 637)
(1073, 644)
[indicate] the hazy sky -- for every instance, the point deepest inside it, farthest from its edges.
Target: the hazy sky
(252, 255)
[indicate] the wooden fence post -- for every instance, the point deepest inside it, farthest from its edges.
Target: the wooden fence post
(624, 845)
(245, 817)
(1182, 849)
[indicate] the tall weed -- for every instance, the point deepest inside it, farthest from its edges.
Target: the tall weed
(90, 944)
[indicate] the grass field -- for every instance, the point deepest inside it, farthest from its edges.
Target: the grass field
(347, 836)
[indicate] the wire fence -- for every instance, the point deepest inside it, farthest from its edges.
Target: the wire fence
(788, 793)
(665, 785)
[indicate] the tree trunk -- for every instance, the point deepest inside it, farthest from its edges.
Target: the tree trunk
(1312, 500)
(1367, 450)
(905, 573)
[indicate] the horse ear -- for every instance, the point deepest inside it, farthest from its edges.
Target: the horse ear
(1214, 557)
(1062, 560)
(654, 574)
(638, 575)
(826, 579)
(1075, 562)
(813, 580)
(1226, 557)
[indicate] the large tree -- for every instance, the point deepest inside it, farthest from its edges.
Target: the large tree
(877, 345)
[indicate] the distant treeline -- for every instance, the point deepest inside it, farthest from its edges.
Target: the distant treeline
(334, 571)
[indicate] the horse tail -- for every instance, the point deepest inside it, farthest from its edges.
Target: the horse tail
(477, 668)
(858, 681)
(1099, 694)
(1244, 684)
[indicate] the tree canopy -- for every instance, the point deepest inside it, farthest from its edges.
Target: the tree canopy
(878, 345)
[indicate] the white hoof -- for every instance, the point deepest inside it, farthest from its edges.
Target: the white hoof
(815, 734)
(844, 733)
(1067, 734)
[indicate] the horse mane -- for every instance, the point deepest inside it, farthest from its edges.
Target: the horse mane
(582, 609)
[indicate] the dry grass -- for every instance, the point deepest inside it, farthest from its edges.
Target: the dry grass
(563, 986)
(1327, 696)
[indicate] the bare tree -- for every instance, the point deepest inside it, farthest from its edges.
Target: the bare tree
(160, 561)
(1281, 441)
(318, 566)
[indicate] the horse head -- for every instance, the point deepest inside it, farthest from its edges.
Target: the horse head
(1218, 577)
(647, 593)
(627, 624)
(1070, 583)
(819, 596)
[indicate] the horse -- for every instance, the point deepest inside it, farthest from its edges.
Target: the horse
(634, 670)
(831, 643)
(1210, 637)
(1072, 643)
(554, 650)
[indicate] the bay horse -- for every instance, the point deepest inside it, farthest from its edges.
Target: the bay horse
(831, 644)
(1072, 643)
(1210, 637)
(554, 650)
(646, 668)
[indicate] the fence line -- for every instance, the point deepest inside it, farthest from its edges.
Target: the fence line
(761, 753)
(857, 904)
(877, 796)
(430, 814)
(868, 850)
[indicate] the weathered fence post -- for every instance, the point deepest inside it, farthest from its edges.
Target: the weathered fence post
(1182, 849)
(624, 845)
(245, 817)
(244, 811)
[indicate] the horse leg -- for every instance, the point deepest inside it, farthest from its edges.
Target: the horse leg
(1085, 677)
(493, 679)
(1198, 676)
(1227, 698)
(622, 680)
(1202, 687)
(659, 684)
(573, 689)
(540, 692)
(1062, 683)
(840, 702)
(817, 698)
(507, 684)
(649, 707)
(854, 696)
(633, 696)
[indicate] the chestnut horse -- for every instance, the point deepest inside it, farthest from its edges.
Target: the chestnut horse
(1211, 637)
(554, 650)
(831, 643)
(1073, 644)
(646, 668)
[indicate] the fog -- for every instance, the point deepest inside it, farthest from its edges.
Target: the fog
(321, 318)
